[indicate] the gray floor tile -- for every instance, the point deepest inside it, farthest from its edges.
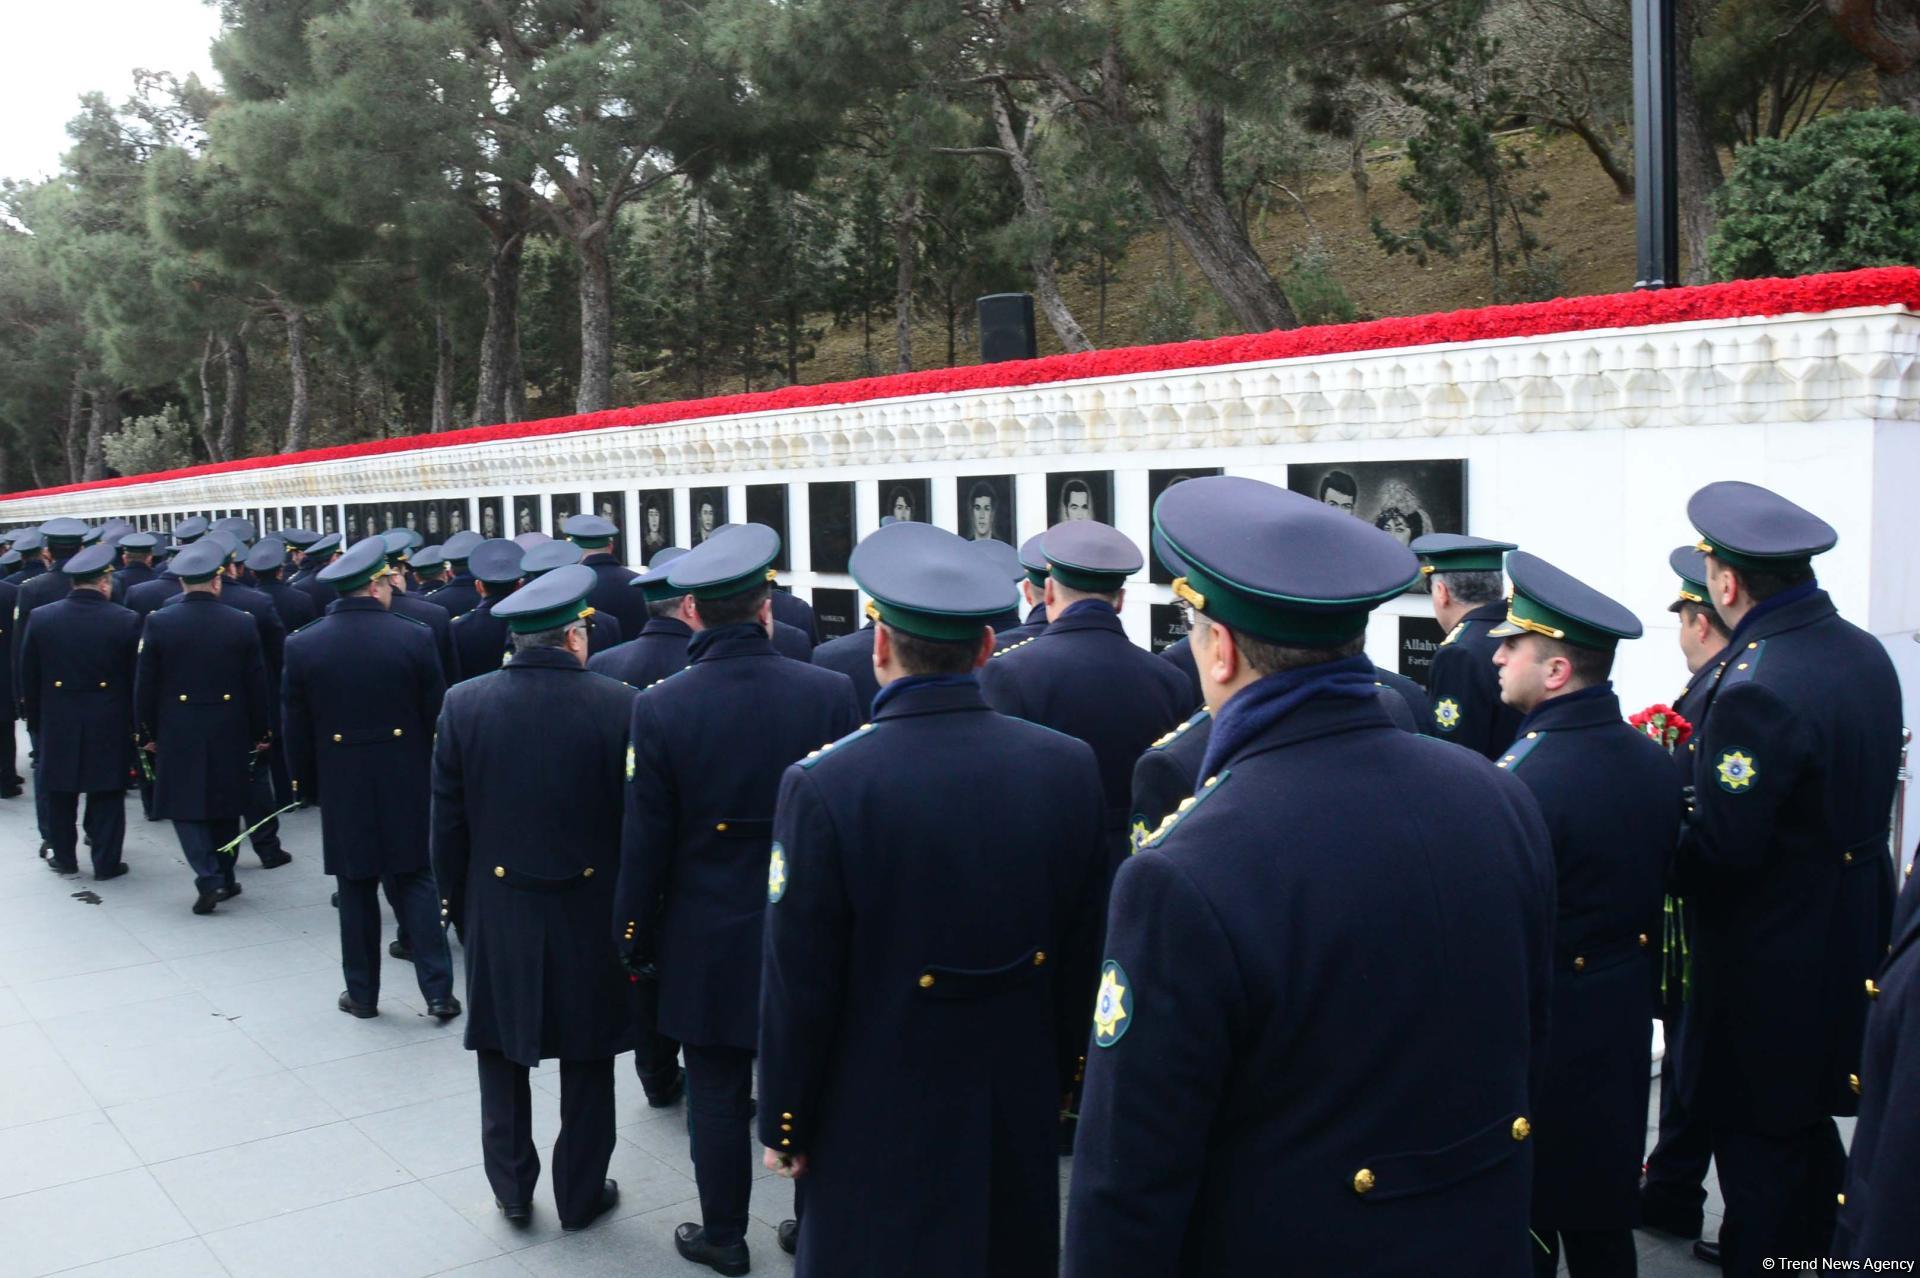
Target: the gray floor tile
(100, 991)
(182, 1016)
(404, 1232)
(189, 1258)
(223, 969)
(281, 1174)
(434, 1068)
(498, 1267)
(38, 1082)
(215, 1117)
(61, 1150)
(645, 1186)
(435, 1137)
(127, 1074)
(89, 1220)
(304, 1037)
(49, 962)
(12, 1010)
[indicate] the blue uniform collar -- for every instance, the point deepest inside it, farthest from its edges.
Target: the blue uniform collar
(1036, 615)
(1269, 701)
(87, 598)
(746, 639)
(545, 659)
(1704, 673)
(1587, 708)
(1088, 614)
(671, 626)
(1789, 610)
(356, 603)
(928, 694)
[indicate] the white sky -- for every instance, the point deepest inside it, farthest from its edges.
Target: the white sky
(61, 51)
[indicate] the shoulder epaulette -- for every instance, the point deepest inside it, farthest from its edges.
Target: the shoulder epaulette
(1741, 667)
(1014, 647)
(307, 626)
(1453, 633)
(663, 678)
(1208, 788)
(814, 756)
(1175, 735)
(1519, 750)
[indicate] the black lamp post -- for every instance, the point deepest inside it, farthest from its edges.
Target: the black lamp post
(1655, 154)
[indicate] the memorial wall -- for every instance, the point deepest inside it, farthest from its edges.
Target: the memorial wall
(1577, 429)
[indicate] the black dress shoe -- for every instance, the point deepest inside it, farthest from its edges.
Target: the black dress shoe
(204, 903)
(789, 1235)
(11, 791)
(230, 891)
(444, 1010)
(63, 867)
(1663, 1217)
(400, 951)
(516, 1213)
(690, 1240)
(670, 1094)
(101, 876)
(275, 859)
(351, 1008)
(336, 900)
(1707, 1252)
(609, 1196)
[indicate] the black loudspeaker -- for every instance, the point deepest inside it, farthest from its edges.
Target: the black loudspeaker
(1006, 327)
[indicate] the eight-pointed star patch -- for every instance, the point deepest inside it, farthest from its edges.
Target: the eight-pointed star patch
(1447, 714)
(1737, 771)
(1112, 1005)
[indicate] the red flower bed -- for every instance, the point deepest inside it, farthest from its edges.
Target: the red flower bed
(1811, 294)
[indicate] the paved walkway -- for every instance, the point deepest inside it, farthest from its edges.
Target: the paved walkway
(179, 1098)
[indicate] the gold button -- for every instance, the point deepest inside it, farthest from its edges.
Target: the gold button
(1741, 666)
(1211, 782)
(1522, 1128)
(499, 871)
(1643, 940)
(1853, 1081)
(720, 827)
(786, 1115)
(56, 683)
(1873, 991)
(865, 726)
(1532, 735)
(336, 738)
(183, 696)
(784, 1142)
(103, 683)
(1184, 805)
(1580, 964)
(1841, 1199)
(1752, 645)
(926, 980)
(396, 732)
(1846, 858)
(1040, 958)
(786, 1127)
(1508, 759)
(226, 696)
(1363, 1181)
(587, 873)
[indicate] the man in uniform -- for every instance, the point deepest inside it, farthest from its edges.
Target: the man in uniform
(363, 692)
(60, 541)
(603, 632)
(1673, 1197)
(1313, 997)
(27, 545)
(612, 596)
(400, 542)
(525, 845)
(459, 596)
(319, 555)
(852, 656)
(429, 565)
(1468, 591)
(923, 988)
(1785, 864)
(1033, 591)
(268, 563)
(1083, 676)
(77, 662)
(708, 746)
(660, 648)
(790, 609)
(479, 638)
(203, 712)
(1612, 803)
(136, 555)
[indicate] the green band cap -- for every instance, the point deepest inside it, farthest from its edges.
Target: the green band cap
(533, 623)
(950, 627)
(1103, 583)
(1278, 621)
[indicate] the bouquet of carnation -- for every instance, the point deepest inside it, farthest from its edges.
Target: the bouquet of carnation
(1664, 725)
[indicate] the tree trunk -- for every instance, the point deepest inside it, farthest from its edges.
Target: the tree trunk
(209, 434)
(299, 404)
(1618, 174)
(103, 422)
(1700, 174)
(72, 442)
(1033, 199)
(1196, 207)
(233, 414)
(596, 320)
(1887, 34)
(503, 393)
(442, 371)
(903, 223)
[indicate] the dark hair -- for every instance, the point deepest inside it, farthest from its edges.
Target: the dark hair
(1340, 481)
(664, 607)
(1268, 658)
(733, 610)
(1590, 665)
(921, 656)
(555, 638)
(1689, 610)
(1762, 584)
(1111, 596)
(1477, 587)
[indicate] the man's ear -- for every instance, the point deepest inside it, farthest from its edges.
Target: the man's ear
(1442, 597)
(882, 647)
(1120, 599)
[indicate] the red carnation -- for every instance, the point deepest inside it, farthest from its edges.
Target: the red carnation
(1665, 725)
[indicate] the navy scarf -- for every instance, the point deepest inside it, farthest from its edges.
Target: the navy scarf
(1791, 595)
(1261, 704)
(901, 685)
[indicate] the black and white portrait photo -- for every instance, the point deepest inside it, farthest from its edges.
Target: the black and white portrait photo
(329, 519)
(412, 516)
(1088, 495)
(1405, 498)
(269, 521)
(435, 524)
(456, 515)
(492, 516)
(829, 529)
(656, 522)
(356, 523)
(986, 507)
(612, 508)
(565, 507)
(767, 504)
(906, 499)
(290, 517)
(309, 518)
(526, 516)
(1158, 481)
(707, 508)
